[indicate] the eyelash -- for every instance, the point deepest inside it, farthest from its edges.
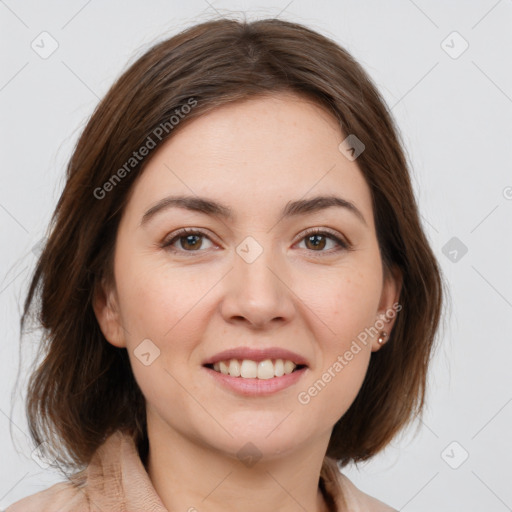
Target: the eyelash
(342, 245)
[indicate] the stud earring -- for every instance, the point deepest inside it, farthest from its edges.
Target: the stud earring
(382, 337)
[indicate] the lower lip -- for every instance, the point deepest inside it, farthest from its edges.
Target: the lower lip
(256, 387)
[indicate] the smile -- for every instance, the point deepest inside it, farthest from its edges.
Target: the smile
(249, 369)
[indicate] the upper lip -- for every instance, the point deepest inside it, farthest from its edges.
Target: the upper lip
(257, 354)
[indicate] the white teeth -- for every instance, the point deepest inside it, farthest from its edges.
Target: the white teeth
(279, 368)
(288, 367)
(223, 368)
(248, 369)
(234, 368)
(265, 369)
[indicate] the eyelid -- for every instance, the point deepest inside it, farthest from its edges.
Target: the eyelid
(343, 244)
(176, 235)
(342, 240)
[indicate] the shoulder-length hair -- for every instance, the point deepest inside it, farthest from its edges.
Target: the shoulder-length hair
(83, 388)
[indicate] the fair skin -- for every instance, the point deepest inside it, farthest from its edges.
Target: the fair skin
(312, 298)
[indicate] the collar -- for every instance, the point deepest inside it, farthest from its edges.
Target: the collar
(116, 479)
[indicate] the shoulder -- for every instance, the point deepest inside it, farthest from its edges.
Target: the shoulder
(80, 492)
(61, 497)
(114, 479)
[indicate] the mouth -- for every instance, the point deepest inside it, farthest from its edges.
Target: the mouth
(251, 369)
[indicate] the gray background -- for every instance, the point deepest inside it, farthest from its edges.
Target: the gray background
(454, 109)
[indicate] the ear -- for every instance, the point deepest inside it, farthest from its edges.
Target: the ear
(106, 309)
(388, 307)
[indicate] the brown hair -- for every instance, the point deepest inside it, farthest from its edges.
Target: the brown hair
(83, 389)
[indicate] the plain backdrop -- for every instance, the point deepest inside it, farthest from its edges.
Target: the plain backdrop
(444, 69)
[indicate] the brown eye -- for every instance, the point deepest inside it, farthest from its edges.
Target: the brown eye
(318, 240)
(190, 241)
(186, 240)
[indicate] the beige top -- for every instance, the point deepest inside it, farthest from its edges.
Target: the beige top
(116, 481)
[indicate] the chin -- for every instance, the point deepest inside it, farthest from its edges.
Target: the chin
(264, 435)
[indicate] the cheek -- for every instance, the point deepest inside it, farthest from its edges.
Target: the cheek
(160, 303)
(157, 300)
(345, 302)
(333, 391)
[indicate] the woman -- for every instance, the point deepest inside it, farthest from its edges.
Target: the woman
(237, 294)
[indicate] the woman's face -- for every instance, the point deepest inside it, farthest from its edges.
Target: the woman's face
(250, 277)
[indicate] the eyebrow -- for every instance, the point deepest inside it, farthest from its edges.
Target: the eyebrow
(214, 208)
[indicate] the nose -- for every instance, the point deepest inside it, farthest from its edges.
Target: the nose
(257, 293)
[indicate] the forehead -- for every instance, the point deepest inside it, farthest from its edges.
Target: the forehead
(253, 153)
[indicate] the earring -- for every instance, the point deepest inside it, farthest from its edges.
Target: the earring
(382, 337)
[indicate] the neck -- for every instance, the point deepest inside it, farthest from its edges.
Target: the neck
(191, 477)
